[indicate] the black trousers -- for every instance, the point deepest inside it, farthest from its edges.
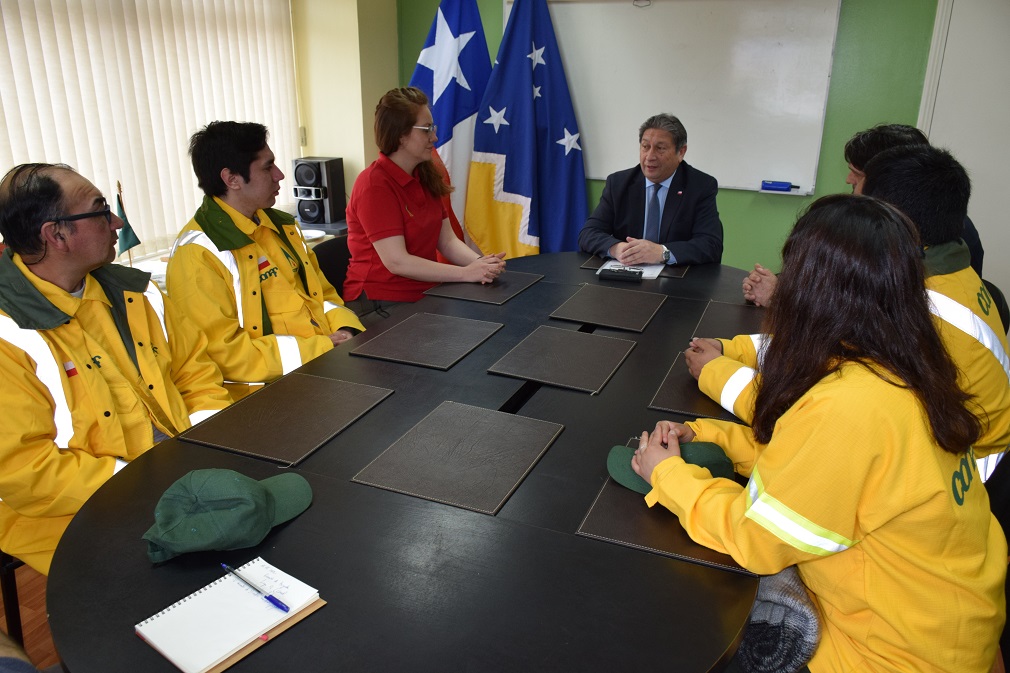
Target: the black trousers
(370, 311)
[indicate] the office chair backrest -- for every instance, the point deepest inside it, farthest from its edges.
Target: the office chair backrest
(334, 257)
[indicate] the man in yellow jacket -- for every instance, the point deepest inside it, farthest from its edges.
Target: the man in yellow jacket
(97, 365)
(241, 270)
(932, 188)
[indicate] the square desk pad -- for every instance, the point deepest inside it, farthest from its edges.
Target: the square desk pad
(565, 358)
(679, 394)
(611, 307)
(429, 340)
(679, 391)
(462, 455)
(505, 286)
(288, 419)
(620, 515)
(671, 271)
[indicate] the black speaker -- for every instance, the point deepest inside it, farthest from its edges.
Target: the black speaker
(319, 189)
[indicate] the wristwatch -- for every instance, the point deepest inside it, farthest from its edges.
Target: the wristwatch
(666, 255)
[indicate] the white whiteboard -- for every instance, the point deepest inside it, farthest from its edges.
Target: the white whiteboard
(748, 78)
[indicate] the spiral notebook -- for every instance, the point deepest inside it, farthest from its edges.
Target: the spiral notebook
(216, 626)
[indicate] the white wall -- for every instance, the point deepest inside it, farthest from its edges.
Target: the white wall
(346, 58)
(969, 115)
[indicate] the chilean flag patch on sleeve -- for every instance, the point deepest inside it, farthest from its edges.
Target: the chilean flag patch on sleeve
(263, 263)
(70, 368)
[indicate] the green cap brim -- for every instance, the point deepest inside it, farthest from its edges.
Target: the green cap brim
(291, 493)
(619, 466)
(704, 454)
(710, 456)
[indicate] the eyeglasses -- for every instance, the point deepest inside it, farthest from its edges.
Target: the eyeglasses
(430, 129)
(105, 212)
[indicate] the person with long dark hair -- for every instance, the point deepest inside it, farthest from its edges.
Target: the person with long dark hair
(395, 218)
(859, 462)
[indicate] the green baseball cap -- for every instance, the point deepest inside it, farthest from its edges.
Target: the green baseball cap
(221, 509)
(705, 454)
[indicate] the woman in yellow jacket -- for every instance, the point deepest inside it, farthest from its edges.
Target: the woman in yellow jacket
(859, 460)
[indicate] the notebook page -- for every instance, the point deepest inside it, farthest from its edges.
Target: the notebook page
(210, 624)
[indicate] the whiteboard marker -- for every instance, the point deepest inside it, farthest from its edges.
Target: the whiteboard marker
(776, 186)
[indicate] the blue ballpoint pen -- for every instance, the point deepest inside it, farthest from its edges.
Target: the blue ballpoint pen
(273, 601)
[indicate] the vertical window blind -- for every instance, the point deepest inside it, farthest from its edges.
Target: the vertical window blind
(115, 88)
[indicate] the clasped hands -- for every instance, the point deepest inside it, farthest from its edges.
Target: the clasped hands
(637, 251)
(485, 268)
(759, 286)
(663, 443)
(666, 439)
(699, 353)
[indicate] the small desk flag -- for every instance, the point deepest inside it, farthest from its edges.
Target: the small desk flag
(452, 70)
(527, 190)
(127, 238)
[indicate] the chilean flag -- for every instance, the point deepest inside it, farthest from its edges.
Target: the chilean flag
(70, 369)
(263, 263)
(452, 70)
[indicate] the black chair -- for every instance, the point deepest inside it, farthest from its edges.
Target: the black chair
(999, 301)
(334, 257)
(998, 487)
(9, 585)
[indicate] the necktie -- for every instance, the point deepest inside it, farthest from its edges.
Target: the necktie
(652, 215)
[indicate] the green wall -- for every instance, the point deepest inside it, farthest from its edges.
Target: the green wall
(877, 76)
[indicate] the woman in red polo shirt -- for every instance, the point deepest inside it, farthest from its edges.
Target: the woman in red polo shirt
(395, 219)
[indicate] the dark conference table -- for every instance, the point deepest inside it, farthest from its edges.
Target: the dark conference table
(417, 585)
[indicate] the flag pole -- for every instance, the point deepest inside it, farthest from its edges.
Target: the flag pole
(119, 188)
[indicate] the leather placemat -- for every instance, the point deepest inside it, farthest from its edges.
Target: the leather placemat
(671, 271)
(504, 287)
(429, 340)
(565, 358)
(725, 321)
(462, 455)
(679, 391)
(620, 515)
(289, 418)
(611, 307)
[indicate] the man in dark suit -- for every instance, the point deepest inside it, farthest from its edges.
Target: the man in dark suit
(661, 211)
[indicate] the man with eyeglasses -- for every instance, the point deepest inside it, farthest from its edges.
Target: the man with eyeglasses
(97, 364)
(662, 211)
(241, 270)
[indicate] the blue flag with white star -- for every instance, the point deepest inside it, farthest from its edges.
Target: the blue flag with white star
(452, 70)
(527, 190)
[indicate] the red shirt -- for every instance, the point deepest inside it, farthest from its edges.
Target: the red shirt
(386, 202)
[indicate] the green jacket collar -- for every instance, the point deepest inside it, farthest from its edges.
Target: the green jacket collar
(946, 258)
(30, 309)
(22, 301)
(221, 230)
(117, 280)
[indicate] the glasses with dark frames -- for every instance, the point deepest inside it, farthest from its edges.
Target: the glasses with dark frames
(105, 212)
